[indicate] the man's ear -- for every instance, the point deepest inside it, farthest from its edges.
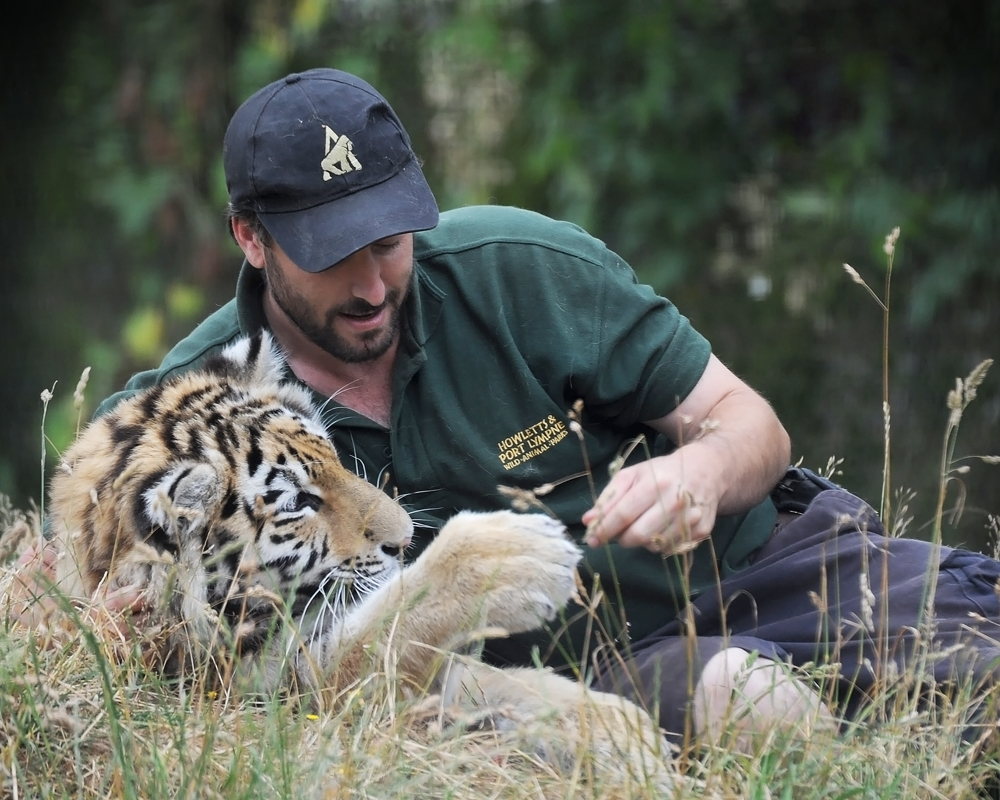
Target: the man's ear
(249, 243)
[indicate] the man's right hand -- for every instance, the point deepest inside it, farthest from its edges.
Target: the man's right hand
(32, 599)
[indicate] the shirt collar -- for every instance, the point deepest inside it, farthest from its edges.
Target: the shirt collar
(250, 300)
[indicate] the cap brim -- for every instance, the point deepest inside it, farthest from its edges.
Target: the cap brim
(319, 237)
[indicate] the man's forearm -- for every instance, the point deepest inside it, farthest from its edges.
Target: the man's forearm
(732, 450)
(745, 447)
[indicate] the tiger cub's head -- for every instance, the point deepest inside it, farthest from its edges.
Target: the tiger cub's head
(219, 491)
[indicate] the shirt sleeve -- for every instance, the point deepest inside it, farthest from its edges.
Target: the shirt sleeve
(646, 355)
(137, 383)
(587, 328)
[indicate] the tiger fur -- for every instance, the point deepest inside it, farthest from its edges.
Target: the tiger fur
(219, 493)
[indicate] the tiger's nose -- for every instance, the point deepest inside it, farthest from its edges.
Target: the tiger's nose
(393, 549)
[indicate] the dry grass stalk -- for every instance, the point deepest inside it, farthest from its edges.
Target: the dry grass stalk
(75, 710)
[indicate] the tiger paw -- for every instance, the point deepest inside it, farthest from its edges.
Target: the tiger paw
(506, 570)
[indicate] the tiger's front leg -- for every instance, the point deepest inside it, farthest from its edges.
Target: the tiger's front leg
(498, 570)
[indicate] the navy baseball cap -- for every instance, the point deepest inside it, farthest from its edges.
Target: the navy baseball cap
(326, 164)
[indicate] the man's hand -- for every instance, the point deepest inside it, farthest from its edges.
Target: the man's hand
(732, 450)
(32, 595)
(30, 599)
(667, 505)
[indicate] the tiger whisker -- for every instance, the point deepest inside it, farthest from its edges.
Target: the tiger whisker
(383, 475)
(335, 608)
(333, 419)
(336, 394)
(332, 607)
(415, 491)
(360, 468)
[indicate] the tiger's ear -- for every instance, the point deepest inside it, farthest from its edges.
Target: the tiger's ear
(185, 500)
(252, 360)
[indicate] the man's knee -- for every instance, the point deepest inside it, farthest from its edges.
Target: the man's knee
(741, 695)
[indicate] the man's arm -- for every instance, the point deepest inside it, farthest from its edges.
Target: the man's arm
(732, 451)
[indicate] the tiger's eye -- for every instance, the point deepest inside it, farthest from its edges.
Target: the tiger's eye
(306, 500)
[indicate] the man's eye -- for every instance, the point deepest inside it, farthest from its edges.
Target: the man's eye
(387, 245)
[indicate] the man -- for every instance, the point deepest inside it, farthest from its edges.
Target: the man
(490, 352)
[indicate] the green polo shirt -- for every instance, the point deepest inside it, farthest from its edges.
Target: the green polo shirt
(512, 318)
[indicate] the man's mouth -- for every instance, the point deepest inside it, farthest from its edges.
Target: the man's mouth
(365, 319)
(361, 315)
(362, 312)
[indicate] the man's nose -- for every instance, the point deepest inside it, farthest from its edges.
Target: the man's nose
(365, 276)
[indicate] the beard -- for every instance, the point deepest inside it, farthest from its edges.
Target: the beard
(321, 331)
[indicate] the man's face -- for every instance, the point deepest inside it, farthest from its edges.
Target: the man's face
(350, 310)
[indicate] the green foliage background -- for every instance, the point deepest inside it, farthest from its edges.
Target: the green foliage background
(736, 153)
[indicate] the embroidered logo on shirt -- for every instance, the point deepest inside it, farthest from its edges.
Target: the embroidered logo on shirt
(530, 442)
(339, 158)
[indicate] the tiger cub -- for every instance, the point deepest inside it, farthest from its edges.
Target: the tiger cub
(219, 492)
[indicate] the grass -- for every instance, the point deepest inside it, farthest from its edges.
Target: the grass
(82, 716)
(75, 722)
(79, 719)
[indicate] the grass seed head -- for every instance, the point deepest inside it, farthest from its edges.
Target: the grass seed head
(890, 241)
(80, 387)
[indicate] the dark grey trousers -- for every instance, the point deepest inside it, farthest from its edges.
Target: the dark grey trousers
(828, 588)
